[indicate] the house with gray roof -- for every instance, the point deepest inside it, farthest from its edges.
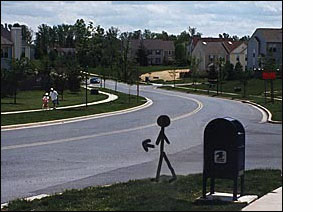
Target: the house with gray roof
(265, 42)
(159, 51)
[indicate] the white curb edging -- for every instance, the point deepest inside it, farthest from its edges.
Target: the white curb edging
(40, 196)
(75, 119)
(111, 97)
(265, 109)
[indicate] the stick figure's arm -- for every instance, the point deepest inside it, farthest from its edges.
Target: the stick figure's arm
(166, 139)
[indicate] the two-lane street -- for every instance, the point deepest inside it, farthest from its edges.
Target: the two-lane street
(105, 150)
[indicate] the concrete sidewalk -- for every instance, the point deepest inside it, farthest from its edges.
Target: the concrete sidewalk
(269, 202)
(111, 97)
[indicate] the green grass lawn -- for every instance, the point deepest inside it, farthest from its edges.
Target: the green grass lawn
(27, 100)
(254, 87)
(121, 103)
(144, 195)
(179, 81)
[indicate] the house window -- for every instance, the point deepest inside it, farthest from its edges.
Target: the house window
(5, 52)
(246, 58)
(237, 58)
(149, 51)
(253, 54)
(158, 51)
(211, 58)
(157, 60)
(169, 52)
(271, 47)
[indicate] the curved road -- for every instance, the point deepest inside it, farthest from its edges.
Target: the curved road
(105, 150)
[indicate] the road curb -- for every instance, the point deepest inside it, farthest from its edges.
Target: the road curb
(148, 103)
(40, 196)
(111, 97)
(265, 109)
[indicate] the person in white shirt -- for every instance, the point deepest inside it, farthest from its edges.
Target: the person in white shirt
(54, 97)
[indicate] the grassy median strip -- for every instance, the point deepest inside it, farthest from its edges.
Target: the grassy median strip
(144, 195)
(255, 93)
(121, 103)
(28, 100)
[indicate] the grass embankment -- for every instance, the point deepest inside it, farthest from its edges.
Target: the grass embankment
(121, 103)
(254, 92)
(144, 195)
(28, 100)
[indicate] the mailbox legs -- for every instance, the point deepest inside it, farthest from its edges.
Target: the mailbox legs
(212, 185)
(235, 189)
(204, 180)
(242, 185)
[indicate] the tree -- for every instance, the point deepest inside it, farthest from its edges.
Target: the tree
(228, 69)
(112, 53)
(238, 70)
(180, 54)
(147, 34)
(42, 41)
(245, 38)
(142, 55)
(192, 31)
(136, 35)
(194, 69)
(20, 68)
(27, 34)
(244, 78)
(125, 47)
(222, 74)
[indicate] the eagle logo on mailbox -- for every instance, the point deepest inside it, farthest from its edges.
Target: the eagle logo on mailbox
(220, 156)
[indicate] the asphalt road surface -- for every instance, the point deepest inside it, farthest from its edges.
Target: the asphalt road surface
(49, 159)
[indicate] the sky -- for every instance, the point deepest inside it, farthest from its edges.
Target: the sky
(208, 17)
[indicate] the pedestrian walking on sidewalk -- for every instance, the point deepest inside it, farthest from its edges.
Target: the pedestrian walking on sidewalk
(45, 101)
(54, 97)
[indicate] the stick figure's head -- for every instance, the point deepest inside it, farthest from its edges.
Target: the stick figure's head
(163, 121)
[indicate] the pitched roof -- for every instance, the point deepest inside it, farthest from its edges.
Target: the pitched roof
(209, 39)
(153, 44)
(5, 33)
(272, 34)
(232, 45)
(5, 41)
(214, 48)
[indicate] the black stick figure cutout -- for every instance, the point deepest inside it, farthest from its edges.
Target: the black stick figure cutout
(163, 121)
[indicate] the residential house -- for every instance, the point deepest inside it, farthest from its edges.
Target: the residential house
(237, 51)
(210, 50)
(12, 45)
(159, 51)
(208, 53)
(196, 39)
(265, 42)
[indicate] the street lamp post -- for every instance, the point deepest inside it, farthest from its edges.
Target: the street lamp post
(86, 86)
